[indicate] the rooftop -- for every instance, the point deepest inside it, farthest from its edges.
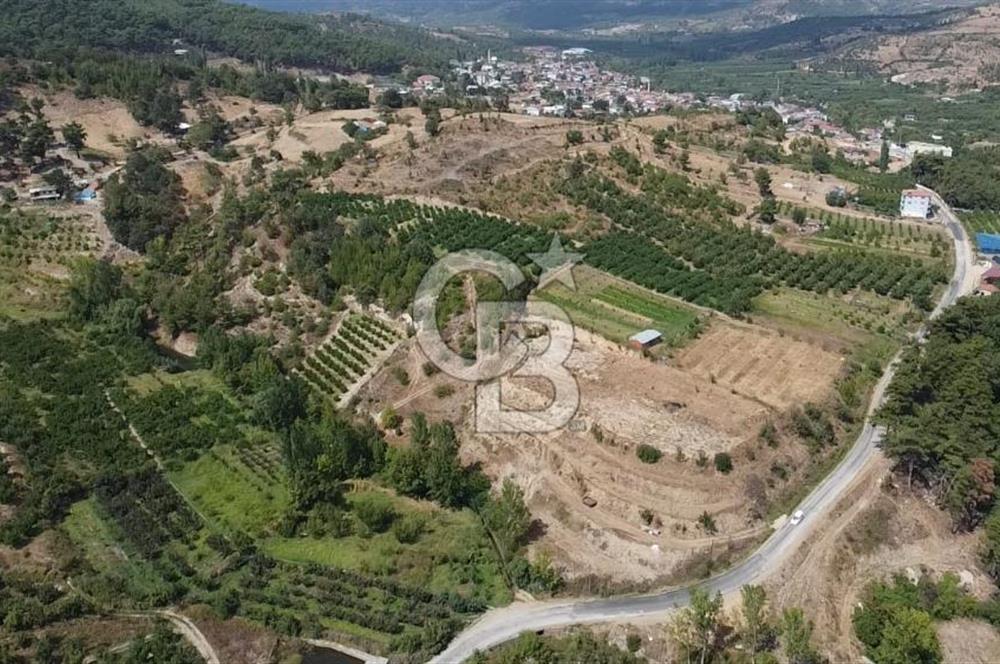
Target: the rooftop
(646, 336)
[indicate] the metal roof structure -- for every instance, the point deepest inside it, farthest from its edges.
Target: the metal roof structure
(988, 243)
(646, 337)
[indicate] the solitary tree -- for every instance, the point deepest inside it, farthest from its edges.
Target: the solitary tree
(754, 614)
(433, 123)
(696, 630)
(763, 179)
(507, 519)
(58, 179)
(75, 135)
(37, 139)
(883, 157)
(767, 210)
(796, 634)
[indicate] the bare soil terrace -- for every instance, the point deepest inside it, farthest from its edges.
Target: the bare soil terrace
(628, 400)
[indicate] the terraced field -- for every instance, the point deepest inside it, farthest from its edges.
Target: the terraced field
(346, 357)
(616, 309)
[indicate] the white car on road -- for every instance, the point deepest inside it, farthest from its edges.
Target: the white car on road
(797, 517)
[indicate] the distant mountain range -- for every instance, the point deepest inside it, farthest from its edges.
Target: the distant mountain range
(547, 15)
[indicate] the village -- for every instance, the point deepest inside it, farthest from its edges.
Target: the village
(563, 83)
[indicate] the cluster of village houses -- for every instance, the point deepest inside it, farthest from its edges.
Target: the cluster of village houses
(553, 82)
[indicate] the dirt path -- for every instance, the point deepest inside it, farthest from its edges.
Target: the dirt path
(156, 459)
(186, 627)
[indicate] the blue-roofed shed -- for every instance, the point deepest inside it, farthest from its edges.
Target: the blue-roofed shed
(645, 339)
(85, 196)
(988, 243)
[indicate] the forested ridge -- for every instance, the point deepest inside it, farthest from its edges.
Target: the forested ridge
(54, 29)
(970, 179)
(943, 411)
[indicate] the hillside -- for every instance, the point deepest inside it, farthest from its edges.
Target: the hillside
(342, 43)
(616, 16)
(962, 54)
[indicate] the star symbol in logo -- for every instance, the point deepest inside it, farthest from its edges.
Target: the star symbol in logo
(557, 264)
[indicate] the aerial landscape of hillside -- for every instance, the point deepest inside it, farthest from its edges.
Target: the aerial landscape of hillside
(414, 331)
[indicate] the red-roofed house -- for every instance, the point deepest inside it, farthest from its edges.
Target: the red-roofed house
(987, 289)
(427, 82)
(992, 275)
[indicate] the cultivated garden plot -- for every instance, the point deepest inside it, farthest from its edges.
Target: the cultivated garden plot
(982, 221)
(36, 252)
(337, 366)
(617, 309)
(845, 230)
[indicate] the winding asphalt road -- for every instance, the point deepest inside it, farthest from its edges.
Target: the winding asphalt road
(500, 625)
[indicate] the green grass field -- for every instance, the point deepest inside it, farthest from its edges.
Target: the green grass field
(452, 554)
(853, 318)
(616, 309)
(231, 488)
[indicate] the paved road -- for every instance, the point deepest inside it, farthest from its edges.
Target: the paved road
(500, 625)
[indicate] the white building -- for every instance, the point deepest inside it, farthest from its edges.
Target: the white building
(916, 147)
(915, 204)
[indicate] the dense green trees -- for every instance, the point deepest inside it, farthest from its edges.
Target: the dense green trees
(943, 411)
(430, 468)
(731, 264)
(163, 645)
(210, 132)
(698, 629)
(966, 180)
(344, 43)
(796, 636)
(894, 619)
(143, 202)
(576, 648)
(54, 412)
(93, 286)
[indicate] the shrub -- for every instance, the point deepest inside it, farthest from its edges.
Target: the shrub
(836, 198)
(723, 462)
(633, 642)
(400, 374)
(408, 529)
(707, 523)
(376, 512)
(390, 419)
(648, 453)
(444, 391)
